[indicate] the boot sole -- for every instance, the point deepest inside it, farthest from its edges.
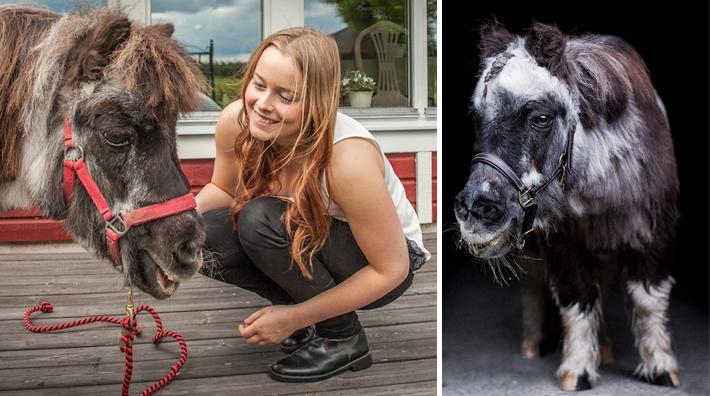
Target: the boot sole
(358, 364)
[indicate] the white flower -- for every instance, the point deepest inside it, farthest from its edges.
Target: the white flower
(355, 80)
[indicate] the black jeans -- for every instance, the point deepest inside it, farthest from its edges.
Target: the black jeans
(257, 258)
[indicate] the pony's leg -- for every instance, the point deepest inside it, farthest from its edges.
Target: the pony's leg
(650, 304)
(580, 350)
(578, 298)
(532, 293)
(606, 348)
(649, 287)
(606, 281)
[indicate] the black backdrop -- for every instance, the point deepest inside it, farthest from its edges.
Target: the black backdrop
(673, 41)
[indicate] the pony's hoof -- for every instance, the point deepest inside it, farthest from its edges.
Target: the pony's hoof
(667, 378)
(530, 349)
(570, 381)
(606, 354)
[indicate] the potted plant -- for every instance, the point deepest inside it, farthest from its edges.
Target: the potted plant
(358, 86)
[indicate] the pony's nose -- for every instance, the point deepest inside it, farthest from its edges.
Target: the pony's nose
(477, 207)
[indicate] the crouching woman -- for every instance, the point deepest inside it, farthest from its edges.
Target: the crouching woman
(304, 209)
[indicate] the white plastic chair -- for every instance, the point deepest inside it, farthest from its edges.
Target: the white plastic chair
(385, 37)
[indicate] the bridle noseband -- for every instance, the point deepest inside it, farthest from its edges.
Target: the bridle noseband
(527, 195)
(116, 225)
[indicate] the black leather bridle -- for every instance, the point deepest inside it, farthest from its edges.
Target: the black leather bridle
(526, 196)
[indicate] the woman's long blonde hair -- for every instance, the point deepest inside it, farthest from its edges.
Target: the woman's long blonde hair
(306, 219)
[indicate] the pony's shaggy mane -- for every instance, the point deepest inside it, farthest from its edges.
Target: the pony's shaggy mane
(149, 63)
(20, 29)
(608, 74)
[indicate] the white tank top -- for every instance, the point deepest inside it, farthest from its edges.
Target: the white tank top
(345, 128)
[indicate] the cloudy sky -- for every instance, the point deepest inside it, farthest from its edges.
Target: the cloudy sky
(234, 25)
(56, 5)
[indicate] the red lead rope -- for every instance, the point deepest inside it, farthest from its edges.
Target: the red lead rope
(130, 330)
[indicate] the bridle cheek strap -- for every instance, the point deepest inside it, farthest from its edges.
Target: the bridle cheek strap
(116, 225)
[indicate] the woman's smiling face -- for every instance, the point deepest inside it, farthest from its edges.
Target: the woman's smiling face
(272, 99)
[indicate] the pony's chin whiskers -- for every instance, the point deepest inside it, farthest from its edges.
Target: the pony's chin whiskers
(501, 268)
(451, 227)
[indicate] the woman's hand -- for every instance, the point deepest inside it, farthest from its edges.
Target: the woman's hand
(269, 325)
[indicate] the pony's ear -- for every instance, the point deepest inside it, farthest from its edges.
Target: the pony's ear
(91, 53)
(167, 29)
(494, 39)
(547, 45)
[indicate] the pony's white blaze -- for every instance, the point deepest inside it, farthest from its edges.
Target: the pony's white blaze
(523, 78)
(649, 327)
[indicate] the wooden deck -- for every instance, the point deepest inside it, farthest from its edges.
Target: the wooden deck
(86, 361)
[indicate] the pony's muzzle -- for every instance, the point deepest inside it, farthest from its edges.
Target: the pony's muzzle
(478, 208)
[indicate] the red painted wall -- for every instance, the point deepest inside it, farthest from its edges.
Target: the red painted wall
(24, 225)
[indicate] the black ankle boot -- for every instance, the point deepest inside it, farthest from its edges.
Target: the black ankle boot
(322, 358)
(298, 339)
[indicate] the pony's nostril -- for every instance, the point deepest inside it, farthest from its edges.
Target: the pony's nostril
(186, 252)
(461, 210)
(486, 210)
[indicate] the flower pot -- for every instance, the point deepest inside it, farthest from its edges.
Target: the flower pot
(360, 98)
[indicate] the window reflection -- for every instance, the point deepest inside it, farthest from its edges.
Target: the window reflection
(372, 37)
(223, 31)
(431, 52)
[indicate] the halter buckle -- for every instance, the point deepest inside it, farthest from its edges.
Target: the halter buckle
(117, 225)
(526, 198)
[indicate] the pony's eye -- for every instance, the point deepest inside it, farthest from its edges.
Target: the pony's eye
(542, 121)
(117, 139)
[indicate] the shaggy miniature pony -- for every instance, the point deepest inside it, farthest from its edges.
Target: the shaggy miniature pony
(573, 143)
(96, 91)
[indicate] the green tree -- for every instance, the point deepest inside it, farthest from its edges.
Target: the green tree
(359, 14)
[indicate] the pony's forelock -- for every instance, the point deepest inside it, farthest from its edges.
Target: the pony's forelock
(156, 65)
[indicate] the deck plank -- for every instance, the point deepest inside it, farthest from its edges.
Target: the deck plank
(86, 360)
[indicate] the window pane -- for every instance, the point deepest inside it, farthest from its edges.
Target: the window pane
(431, 51)
(221, 34)
(58, 5)
(372, 37)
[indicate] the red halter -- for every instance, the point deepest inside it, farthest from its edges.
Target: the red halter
(116, 225)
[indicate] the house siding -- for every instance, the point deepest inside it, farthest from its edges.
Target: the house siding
(29, 225)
